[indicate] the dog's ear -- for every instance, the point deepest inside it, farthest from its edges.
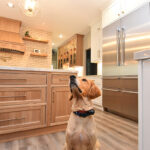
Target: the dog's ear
(71, 97)
(94, 91)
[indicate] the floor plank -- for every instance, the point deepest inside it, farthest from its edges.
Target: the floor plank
(113, 132)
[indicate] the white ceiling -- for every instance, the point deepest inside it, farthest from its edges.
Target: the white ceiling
(67, 17)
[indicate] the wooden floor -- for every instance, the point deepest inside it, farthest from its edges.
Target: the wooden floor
(114, 133)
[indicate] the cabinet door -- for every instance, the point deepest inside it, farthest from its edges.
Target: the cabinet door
(61, 106)
(111, 13)
(96, 42)
(128, 6)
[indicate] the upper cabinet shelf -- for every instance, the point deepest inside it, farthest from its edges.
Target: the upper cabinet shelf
(35, 40)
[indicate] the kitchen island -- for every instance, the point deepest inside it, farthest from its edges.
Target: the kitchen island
(144, 98)
(33, 101)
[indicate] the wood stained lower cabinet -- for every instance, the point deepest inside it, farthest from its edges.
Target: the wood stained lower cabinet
(21, 118)
(121, 102)
(61, 105)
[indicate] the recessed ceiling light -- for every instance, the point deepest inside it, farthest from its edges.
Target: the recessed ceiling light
(60, 36)
(10, 4)
(53, 44)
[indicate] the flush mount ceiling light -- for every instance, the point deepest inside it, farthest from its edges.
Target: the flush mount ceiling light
(10, 4)
(29, 7)
(60, 36)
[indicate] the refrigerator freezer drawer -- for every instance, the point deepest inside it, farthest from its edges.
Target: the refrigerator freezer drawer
(123, 83)
(124, 103)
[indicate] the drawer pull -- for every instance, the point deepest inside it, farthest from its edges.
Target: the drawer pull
(12, 96)
(12, 119)
(14, 79)
(63, 80)
(132, 92)
(113, 90)
(53, 97)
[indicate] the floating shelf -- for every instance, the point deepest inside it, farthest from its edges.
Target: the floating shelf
(12, 50)
(35, 40)
(39, 54)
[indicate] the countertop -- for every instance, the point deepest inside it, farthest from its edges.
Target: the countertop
(35, 69)
(142, 55)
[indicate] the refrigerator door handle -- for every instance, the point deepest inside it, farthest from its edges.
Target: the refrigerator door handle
(118, 46)
(123, 36)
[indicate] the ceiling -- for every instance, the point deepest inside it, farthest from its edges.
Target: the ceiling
(66, 17)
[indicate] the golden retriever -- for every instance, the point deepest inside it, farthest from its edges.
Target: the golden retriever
(81, 132)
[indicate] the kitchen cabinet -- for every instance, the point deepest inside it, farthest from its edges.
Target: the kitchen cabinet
(61, 105)
(118, 9)
(125, 96)
(71, 53)
(111, 13)
(21, 118)
(98, 82)
(60, 94)
(96, 42)
(33, 102)
(143, 98)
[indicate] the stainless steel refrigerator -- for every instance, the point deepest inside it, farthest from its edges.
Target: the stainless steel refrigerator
(120, 40)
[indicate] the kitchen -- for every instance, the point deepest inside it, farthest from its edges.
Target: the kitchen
(41, 45)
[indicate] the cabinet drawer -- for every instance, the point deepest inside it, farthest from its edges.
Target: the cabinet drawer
(130, 84)
(19, 119)
(121, 102)
(9, 96)
(111, 100)
(60, 79)
(112, 83)
(22, 79)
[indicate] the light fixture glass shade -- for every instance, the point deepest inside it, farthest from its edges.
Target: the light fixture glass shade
(29, 7)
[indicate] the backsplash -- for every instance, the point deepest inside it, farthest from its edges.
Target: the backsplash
(25, 60)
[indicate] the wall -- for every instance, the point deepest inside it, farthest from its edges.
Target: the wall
(20, 60)
(86, 46)
(97, 79)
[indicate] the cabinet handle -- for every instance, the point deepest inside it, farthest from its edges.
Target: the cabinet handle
(12, 96)
(53, 97)
(12, 119)
(113, 90)
(123, 12)
(131, 92)
(63, 79)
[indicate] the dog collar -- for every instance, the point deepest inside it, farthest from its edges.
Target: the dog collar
(82, 113)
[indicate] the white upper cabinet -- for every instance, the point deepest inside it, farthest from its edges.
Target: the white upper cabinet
(111, 13)
(118, 9)
(96, 42)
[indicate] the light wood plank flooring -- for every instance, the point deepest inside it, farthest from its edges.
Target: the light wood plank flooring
(114, 133)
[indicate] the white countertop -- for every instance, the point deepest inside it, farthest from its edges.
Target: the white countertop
(142, 55)
(35, 69)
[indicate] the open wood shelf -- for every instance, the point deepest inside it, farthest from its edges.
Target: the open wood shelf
(12, 50)
(35, 40)
(39, 54)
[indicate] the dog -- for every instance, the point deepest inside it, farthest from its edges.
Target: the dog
(81, 130)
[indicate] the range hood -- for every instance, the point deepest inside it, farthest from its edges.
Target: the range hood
(10, 39)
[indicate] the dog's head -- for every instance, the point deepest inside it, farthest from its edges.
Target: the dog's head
(82, 87)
